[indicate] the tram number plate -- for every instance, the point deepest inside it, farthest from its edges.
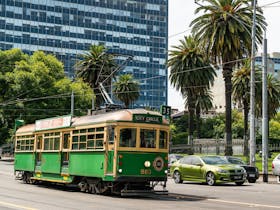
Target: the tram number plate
(145, 171)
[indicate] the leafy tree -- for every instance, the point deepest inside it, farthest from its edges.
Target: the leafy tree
(274, 129)
(273, 97)
(188, 73)
(126, 89)
(38, 88)
(204, 100)
(96, 66)
(224, 29)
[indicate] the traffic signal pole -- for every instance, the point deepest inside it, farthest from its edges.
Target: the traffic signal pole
(265, 114)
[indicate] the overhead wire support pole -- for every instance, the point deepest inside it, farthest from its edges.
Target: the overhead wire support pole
(265, 114)
(252, 91)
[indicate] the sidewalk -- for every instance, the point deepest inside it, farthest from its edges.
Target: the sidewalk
(272, 179)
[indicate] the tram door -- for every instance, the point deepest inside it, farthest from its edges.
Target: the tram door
(65, 152)
(38, 153)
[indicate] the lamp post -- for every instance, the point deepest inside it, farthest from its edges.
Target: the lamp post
(252, 91)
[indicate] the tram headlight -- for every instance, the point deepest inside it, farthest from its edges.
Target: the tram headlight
(147, 164)
(120, 170)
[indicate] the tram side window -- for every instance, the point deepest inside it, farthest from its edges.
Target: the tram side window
(91, 138)
(147, 138)
(163, 139)
(25, 143)
(52, 141)
(128, 137)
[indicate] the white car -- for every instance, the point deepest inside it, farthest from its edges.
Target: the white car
(276, 165)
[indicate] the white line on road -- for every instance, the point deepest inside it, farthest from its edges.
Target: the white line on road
(15, 206)
(243, 203)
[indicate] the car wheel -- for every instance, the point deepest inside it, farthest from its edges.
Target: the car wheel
(239, 183)
(252, 180)
(210, 179)
(177, 177)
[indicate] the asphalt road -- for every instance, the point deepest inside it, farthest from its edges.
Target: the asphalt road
(16, 195)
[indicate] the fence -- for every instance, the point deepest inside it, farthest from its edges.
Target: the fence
(217, 146)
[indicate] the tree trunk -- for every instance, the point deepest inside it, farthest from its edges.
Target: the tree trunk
(198, 125)
(191, 122)
(227, 73)
(245, 135)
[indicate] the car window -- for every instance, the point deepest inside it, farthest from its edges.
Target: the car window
(235, 161)
(185, 160)
(196, 161)
(214, 160)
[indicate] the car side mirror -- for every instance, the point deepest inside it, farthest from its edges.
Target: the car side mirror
(199, 164)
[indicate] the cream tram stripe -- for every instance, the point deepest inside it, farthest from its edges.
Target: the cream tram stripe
(244, 203)
(16, 206)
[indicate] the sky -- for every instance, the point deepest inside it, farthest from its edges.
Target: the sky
(181, 13)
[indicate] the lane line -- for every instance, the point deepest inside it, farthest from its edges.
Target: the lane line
(15, 206)
(244, 203)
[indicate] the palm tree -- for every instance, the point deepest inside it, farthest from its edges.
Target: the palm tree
(204, 99)
(273, 97)
(241, 94)
(224, 28)
(189, 71)
(126, 89)
(95, 67)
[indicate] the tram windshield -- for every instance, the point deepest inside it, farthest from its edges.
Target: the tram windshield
(128, 137)
(148, 138)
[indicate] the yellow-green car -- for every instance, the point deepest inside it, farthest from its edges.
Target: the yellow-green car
(209, 169)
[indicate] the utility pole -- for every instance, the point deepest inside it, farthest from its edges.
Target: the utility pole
(264, 113)
(252, 91)
(72, 103)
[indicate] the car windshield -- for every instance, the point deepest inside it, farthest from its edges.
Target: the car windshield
(235, 161)
(214, 160)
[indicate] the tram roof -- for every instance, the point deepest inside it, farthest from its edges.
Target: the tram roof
(120, 115)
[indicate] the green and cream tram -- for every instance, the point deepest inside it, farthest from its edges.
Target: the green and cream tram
(122, 152)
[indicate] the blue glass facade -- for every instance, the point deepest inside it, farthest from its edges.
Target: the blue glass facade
(66, 28)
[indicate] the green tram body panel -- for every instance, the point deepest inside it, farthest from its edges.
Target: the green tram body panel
(51, 162)
(24, 161)
(132, 164)
(89, 164)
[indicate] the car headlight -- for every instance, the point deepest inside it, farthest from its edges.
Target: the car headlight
(222, 171)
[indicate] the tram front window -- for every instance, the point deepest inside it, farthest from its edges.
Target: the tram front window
(148, 138)
(128, 137)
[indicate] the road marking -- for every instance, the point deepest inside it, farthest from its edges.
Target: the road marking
(16, 206)
(243, 203)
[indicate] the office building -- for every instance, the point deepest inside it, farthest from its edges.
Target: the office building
(66, 28)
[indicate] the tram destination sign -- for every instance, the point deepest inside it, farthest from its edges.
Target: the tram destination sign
(53, 123)
(144, 118)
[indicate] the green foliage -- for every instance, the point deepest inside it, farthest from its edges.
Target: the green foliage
(181, 123)
(274, 129)
(94, 67)
(213, 127)
(180, 138)
(126, 89)
(36, 88)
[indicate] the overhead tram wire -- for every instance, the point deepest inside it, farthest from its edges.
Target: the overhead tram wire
(69, 94)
